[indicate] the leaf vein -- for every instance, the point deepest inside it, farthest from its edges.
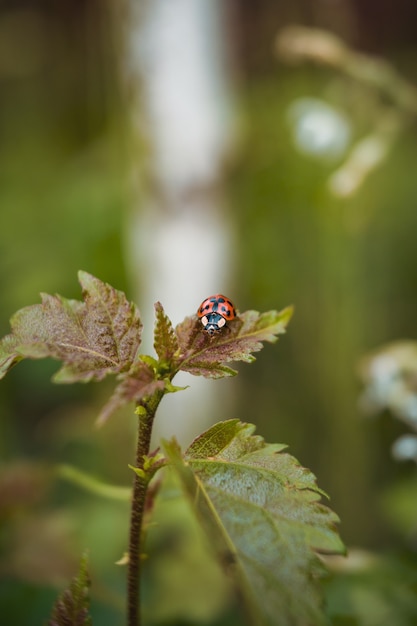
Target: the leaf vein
(74, 347)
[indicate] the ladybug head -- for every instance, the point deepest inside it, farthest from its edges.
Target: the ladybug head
(213, 323)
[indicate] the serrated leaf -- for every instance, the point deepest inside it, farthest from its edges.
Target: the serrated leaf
(203, 355)
(93, 338)
(165, 339)
(138, 382)
(72, 607)
(210, 369)
(263, 508)
(226, 438)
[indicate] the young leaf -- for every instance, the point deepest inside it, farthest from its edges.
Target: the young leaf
(138, 382)
(93, 338)
(203, 355)
(165, 343)
(72, 607)
(262, 508)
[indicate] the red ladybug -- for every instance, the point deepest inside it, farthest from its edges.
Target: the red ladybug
(214, 312)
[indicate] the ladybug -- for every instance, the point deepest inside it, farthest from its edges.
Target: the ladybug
(214, 312)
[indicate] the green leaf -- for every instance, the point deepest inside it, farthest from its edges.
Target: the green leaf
(138, 471)
(8, 354)
(170, 388)
(373, 589)
(140, 381)
(184, 580)
(262, 508)
(149, 360)
(94, 338)
(72, 607)
(165, 339)
(203, 355)
(151, 464)
(93, 485)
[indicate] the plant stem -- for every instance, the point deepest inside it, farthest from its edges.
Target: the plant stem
(140, 486)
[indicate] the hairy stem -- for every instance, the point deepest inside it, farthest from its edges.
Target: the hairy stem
(140, 486)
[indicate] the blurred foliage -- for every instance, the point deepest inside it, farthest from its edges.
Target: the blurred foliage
(62, 192)
(180, 564)
(72, 606)
(378, 591)
(348, 265)
(63, 158)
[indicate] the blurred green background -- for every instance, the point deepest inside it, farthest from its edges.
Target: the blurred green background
(347, 261)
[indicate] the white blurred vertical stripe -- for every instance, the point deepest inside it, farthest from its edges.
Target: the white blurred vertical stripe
(179, 238)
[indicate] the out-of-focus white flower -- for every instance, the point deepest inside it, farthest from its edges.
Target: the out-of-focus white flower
(319, 129)
(390, 379)
(405, 448)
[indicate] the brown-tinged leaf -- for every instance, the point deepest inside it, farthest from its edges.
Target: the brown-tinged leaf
(93, 338)
(165, 340)
(138, 382)
(8, 354)
(203, 355)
